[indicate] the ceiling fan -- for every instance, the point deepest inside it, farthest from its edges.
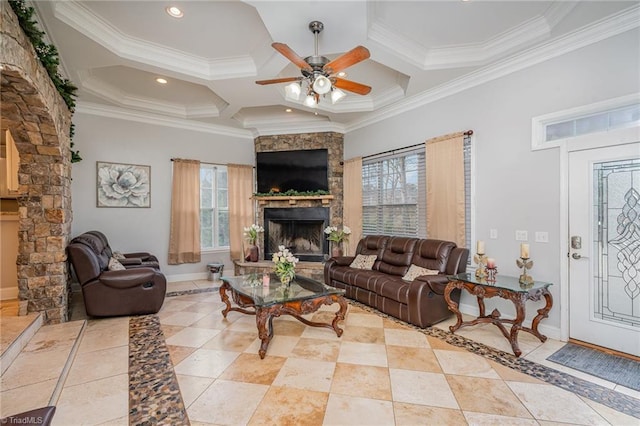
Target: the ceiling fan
(319, 73)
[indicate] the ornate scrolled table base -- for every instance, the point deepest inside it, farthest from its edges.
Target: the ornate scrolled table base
(519, 297)
(295, 308)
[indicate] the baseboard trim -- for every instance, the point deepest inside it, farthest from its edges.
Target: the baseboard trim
(187, 277)
(9, 293)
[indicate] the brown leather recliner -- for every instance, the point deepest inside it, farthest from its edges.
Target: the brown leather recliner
(133, 291)
(131, 260)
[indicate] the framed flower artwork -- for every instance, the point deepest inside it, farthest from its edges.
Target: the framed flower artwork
(123, 185)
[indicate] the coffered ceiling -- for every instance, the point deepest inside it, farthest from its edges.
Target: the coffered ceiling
(212, 56)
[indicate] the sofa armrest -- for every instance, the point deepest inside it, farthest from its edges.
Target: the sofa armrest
(457, 262)
(333, 262)
(143, 256)
(436, 283)
(130, 261)
(130, 277)
(426, 301)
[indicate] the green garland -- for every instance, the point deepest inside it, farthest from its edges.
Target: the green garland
(48, 56)
(292, 193)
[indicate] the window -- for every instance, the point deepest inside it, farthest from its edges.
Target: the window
(214, 207)
(553, 130)
(394, 193)
(393, 189)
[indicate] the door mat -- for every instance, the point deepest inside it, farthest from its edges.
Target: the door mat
(616, 369)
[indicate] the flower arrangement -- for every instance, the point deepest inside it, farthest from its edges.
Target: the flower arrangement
(251, 233)
(285, 264)
(337, 235)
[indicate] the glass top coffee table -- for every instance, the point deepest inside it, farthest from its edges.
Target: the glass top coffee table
(264, 296)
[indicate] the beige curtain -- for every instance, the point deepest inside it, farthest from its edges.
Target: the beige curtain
(184, 237)
(352, 203)
(241, 205)
(445, 188)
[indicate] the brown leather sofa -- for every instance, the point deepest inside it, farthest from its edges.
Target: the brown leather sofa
(419, 302)
(137, 290)
(131, 260)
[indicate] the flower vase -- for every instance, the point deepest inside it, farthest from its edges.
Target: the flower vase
(253, 253)
(336, 250)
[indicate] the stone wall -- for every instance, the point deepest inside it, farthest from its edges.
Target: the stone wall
(39, 121)
(334, 143)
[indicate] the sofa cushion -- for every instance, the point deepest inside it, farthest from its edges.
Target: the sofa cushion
(432, 254)
(363, 261)
(416, 271)
(115, 265)
(397, 256)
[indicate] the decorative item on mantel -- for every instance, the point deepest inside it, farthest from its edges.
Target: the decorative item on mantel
(480, 259)
(337, 236)
(285, 265)
(525, 263)
(251, 235)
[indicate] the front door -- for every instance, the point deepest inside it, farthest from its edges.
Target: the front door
(604, 252)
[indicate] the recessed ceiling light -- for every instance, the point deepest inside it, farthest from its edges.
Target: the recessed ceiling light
(174, 11)
(288, 110)
(161, 80)
(342, 74)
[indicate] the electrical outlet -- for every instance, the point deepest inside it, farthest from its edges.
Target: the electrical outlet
(522, 236)
(542, 237)
(493, 234)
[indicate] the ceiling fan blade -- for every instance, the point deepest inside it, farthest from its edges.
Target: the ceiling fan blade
(279, 80)
(288, 53)
(355, 55)
(352, 86)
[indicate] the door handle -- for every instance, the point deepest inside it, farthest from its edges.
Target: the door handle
(578, 256)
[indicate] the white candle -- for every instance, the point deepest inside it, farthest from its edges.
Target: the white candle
(265, 280)
(524, 250)
(480, 247)
(491, 263)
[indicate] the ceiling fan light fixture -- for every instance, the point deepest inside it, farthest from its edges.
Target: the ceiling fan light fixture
(322, 85)
(337, 95)
(293, 91)
(310, 101)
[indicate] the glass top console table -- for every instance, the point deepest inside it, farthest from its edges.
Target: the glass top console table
(264, 296)
(507, 288)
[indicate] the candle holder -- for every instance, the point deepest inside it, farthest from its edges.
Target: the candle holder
(481, 260)
(491, 274)
(526, 264)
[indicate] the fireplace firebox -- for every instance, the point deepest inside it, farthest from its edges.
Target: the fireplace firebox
(300, 229)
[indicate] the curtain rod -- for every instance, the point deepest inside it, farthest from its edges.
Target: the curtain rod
(203, 162)
(391, 151)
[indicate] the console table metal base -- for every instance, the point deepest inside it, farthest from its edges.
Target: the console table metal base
(296, 308)
(482, 291)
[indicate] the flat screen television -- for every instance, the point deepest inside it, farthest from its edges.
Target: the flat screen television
(302, 170)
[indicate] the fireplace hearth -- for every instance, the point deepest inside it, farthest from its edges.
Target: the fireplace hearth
(300, 229)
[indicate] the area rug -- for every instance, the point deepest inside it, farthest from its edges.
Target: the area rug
(616, 369)
(154, 393)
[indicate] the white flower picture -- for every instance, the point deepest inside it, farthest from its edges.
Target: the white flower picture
(123, 185)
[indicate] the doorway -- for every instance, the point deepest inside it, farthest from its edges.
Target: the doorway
(604, 246)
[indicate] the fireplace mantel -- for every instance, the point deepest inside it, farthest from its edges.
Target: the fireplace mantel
(293, 199)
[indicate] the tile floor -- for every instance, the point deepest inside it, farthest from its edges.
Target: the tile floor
(379, 372)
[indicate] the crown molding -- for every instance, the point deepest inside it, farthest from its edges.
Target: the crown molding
(462, 55)
(616, 24)
(276, 128)
(112, 94)
(160, 120)
(97, 29)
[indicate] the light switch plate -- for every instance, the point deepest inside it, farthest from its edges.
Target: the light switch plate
(522, 236)
(493, 234)
(542, 237)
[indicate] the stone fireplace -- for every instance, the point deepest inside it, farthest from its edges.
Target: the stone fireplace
(299, 222)
(299, 229)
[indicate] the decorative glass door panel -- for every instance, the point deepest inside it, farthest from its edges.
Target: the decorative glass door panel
(617, 244)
